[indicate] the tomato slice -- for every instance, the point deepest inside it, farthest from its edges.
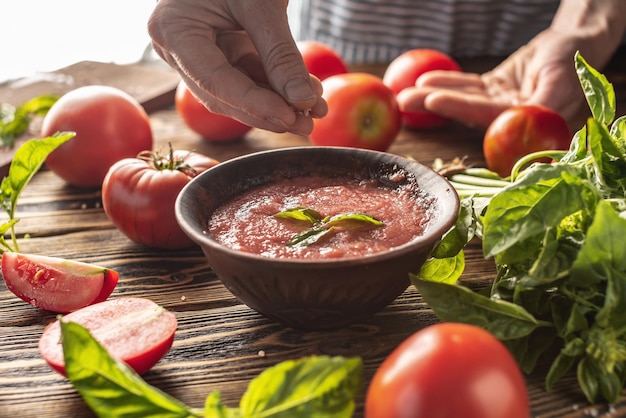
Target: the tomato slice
(56, 284)
(136, 331)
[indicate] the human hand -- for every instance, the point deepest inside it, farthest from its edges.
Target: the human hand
(542, 72)
(239, 59)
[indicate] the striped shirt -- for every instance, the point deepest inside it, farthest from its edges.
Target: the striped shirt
(376, 31)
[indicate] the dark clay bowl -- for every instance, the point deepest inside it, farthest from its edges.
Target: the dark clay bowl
(305, 294)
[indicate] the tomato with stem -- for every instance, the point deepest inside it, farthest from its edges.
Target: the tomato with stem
(138, 195)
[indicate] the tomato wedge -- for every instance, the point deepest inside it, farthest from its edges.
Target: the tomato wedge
(136, 331)
(56, 284)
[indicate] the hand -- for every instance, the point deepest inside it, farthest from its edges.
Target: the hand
(542, 72)
(239, 59)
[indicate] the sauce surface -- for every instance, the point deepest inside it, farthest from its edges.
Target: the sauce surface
(247, 222)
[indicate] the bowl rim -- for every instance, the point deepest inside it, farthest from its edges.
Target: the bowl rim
(434, 231)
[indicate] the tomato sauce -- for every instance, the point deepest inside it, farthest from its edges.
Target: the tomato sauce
(247, 222)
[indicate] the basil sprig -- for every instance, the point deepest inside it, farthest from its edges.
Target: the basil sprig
(27, 160)
(556, 233)
(308, 387)
(322, 225)
(15, 120)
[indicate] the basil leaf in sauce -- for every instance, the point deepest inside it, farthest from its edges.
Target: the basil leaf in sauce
(321, 226)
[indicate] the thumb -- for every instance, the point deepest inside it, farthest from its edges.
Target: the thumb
(268, 28)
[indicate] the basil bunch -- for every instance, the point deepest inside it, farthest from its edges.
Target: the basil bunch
(557, 233)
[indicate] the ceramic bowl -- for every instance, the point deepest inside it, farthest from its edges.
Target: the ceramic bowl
(313, 294)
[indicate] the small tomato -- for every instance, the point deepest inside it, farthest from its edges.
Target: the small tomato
(56, 284)
(109, 125)
(448, 370)
(138, 195)
(136, 331)
(211, 126)
(521, 130)
(404, 71)
(362, 113)
(321, 60)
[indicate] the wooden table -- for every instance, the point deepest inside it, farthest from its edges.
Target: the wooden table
(220, 344)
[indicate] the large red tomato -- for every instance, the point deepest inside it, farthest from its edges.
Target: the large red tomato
(56, 284)
(448, 370)
(404, 71)
(211, 126)
(321, 60)
(362, 113)
(109, 124)
(138, 195)
(134, 330)
(520, 130)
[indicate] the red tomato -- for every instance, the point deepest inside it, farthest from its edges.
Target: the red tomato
(362, 113)
(138, 195)
(448, 370)
(404, 71)
(321, 60)
(109, 125)
(56, 284)
(520, 130)
(134, 330)
(211, 126)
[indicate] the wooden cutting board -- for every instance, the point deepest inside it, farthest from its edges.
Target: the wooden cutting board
(152, 85)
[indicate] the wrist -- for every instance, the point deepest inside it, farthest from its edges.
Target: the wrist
(597, 26)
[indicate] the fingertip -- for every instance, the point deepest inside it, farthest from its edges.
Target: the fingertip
(299, 91)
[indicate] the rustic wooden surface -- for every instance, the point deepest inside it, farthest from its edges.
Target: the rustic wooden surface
(220, 344)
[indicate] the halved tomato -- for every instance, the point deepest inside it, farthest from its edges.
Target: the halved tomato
(136, 331)
(56, 284)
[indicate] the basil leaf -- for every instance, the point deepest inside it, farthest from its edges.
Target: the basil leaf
(346, 220)
(461, 233)
(319, 386)
(14, 121)
(308, 237)
(214, 408)
(601, 259)
(110, 387)
(443, 270)
(27, 160)
(608, 157)
(300, 213)
(323, 225)
(598, 91)
(527, 209)
(452, 302)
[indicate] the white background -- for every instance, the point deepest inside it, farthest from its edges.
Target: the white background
(45, 35)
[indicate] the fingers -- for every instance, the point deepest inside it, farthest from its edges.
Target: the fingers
(454, 95)
(472, 110)
(456, 80)
(269, 31)
(229, 69)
